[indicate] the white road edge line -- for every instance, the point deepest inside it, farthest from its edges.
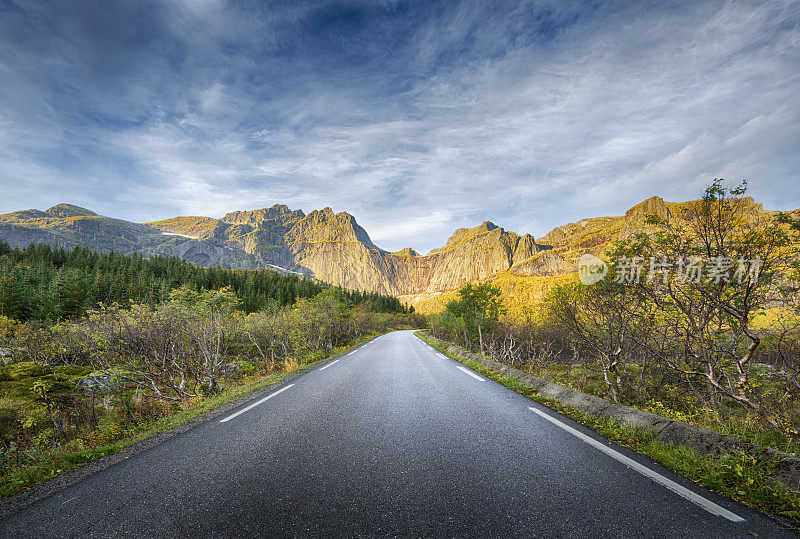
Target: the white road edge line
(353, 352)
(669, 484)
(441, 356)
(256, 403)
(329, 364)
(459, 367)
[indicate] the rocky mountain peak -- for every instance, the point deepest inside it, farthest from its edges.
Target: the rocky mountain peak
(465, 234)
(69, 210)
(636, 217)
(408, 251)
(325, 226)
(654, 205)
(279, 212)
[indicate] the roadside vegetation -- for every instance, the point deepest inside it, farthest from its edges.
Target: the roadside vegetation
(95, 378)
(721, 351)
(739, 476)
(721, 354)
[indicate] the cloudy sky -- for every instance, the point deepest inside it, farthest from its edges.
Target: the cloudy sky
(416, 117)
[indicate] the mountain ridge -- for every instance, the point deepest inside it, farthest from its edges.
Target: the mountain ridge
(333, 247)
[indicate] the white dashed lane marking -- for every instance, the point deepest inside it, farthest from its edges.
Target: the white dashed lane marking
(478, 378)
(256, 404)
(708, 505)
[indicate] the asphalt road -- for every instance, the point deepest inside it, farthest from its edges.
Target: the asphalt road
(392, 439)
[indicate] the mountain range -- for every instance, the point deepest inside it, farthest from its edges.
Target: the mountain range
(334, 248)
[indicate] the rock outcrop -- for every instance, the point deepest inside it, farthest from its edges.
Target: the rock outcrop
(408, 251)
(546, 264)
(637, 219)
(68, 210)
(654, 205)
(566, 234)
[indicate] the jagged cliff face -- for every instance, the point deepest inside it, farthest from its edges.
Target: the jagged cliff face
(334, 248)
(337, 250)
(471, 254)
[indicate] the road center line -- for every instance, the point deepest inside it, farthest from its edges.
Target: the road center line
(459, 367)
(669, 484)
(256, 403)
(329, 364)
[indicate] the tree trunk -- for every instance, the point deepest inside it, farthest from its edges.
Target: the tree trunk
(611, 375)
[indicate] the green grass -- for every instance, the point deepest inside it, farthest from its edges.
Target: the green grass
(738, 476)
(54, 462)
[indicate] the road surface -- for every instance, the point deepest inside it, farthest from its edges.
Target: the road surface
(392, 439)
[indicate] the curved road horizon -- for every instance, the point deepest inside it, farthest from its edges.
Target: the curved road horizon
(391, 439)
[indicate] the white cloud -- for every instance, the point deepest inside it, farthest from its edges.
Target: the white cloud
(587, 116)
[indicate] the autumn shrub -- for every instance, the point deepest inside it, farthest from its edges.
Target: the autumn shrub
(73, 385)
(721, 350)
